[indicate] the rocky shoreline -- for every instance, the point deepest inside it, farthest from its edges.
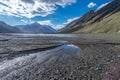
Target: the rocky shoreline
(51, 58)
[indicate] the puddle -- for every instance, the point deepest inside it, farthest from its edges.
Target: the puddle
(8, 68)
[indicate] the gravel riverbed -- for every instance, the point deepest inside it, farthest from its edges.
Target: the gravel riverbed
(58, 58)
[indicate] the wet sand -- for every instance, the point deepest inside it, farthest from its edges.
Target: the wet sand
(29, 57)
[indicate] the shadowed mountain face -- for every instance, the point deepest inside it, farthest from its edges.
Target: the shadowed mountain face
(104, 20)
(36, 28)
(5, 28)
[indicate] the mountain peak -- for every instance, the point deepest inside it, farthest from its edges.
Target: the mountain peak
(35, 23)
(101, 20)
(1, 22)
(5, 28)
(36, 28)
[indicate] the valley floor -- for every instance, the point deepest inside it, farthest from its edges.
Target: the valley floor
(59, 57)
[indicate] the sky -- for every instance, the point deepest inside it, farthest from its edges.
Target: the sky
(56, 13)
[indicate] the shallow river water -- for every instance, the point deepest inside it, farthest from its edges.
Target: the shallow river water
(9, 69)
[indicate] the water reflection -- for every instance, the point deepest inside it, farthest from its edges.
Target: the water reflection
(10, 68)
(40, 35)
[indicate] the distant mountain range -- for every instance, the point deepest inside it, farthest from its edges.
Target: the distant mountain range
(103, 20)
(32, 28)
(5, 28)
(36, 28)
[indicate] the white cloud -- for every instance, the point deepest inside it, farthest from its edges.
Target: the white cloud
(101, 6)
(27, 21)
(46, 22)
(24, 21)
(31, 8)
(91, 5)
(49, 22)
(60, 26)
(70, 20)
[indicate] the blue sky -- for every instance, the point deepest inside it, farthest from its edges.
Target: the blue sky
(56, 13)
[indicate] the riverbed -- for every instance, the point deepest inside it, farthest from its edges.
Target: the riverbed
(59, 57)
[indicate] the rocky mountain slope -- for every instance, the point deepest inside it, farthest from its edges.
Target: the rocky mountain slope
(104, 20)
(36, 28)
(5, 28)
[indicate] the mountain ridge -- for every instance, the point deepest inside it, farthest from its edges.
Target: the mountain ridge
(5, 28)
(29, 28)
(92, 21)
(36, 28)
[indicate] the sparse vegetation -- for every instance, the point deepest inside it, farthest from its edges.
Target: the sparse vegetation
(110, 24)
(104, 20)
